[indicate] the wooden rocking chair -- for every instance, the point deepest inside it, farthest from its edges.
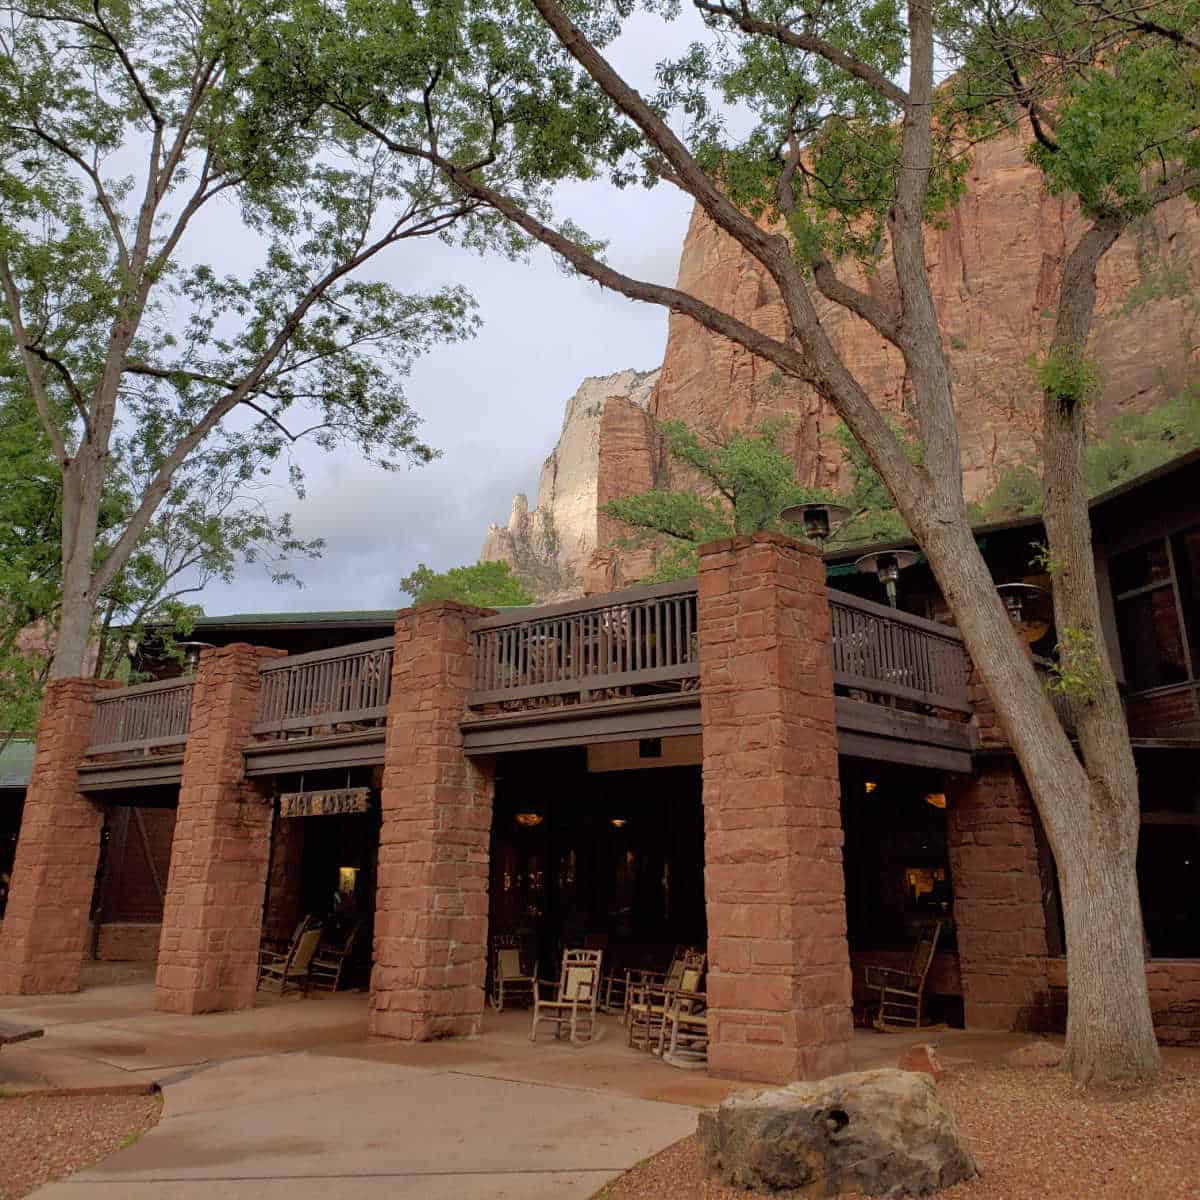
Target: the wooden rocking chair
(637, 978)
(325, 970)
(573, 1000)
(278, 972)
(683, 1041)
(650, 1003)
(901, 993)
(510, 980)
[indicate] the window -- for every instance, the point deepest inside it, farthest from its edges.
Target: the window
(1156, 588)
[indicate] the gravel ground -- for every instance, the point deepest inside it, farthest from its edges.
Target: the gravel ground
(44, 1138)
(1033, 1136)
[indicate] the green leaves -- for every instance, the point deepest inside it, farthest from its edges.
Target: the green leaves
(485, 585)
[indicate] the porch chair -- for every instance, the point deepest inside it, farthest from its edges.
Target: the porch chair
(901, 993)
(637, 977)
(683, 1041)
(573, 1000)
(278, 972)
(509, 979)
(325, 970)
(650, 1003)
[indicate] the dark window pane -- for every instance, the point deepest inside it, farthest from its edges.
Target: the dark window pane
(1169, 881)
(1151, 645)
(1136, 568)
(1186, 546)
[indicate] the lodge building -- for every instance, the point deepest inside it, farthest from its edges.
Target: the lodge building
(767, 760)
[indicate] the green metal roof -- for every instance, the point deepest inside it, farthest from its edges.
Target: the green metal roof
(380, 616)
(16, 763)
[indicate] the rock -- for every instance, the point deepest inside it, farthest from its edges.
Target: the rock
(550, 546)
(922, 1057)
(881, 1133)
(1035, 1054)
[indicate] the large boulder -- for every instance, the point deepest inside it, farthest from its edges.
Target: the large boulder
(881, 1133)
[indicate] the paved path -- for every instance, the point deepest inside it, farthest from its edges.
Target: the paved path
(288, 1127)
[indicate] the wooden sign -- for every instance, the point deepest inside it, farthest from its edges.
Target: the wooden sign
(331, 803)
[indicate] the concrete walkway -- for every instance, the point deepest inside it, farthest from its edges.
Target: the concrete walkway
(292, 1099)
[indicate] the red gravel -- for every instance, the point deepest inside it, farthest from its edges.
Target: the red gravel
(44, 1138)
(1034, 1136)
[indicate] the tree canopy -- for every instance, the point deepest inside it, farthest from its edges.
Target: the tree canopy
(485, 585)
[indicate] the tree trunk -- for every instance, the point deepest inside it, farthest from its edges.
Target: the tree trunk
(1092, 829)
(82, 485)
(1110, 1029)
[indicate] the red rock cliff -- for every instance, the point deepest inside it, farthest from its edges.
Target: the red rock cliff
(995, 269)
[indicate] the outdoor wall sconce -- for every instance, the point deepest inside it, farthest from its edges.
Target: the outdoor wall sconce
(347, 880)
(529, 820)
(819, 520)
(1024, 603)
(886, 565)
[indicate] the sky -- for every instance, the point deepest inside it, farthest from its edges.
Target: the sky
(493, 405)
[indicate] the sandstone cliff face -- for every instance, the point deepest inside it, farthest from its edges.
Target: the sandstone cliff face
(995, 270)
(551, 546)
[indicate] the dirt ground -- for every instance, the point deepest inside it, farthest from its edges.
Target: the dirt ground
(1033, 1135)
(44, 1138)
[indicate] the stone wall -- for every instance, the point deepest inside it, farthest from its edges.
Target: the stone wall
(998, 911)
(128, 941)
(436, 817)
(140, 865)
(779, 978)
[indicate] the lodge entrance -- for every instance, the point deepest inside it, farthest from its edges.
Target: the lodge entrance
(324, 850)
(598, 846)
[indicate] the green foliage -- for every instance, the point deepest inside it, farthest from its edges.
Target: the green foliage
(1076, 672)
(485, 585)
(875, 518)
(1067, 375)
(741, 485)
(1134, 443)
(1018, 493)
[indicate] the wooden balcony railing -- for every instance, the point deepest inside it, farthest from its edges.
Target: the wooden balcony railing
(638, 641)
(344, 686)
(895, 655)
(146, 716)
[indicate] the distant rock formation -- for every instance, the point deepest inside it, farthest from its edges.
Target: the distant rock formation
(994, 266)
(550, 547)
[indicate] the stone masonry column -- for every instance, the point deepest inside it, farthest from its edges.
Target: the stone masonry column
(998, 911)
(432, 895)
(779, 985)
(45, 930)
(212, 912)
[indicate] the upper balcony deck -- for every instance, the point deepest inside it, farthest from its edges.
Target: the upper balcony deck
(604, 668)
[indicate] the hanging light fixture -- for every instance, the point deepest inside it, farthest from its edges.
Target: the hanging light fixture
(820, 520)
(886, 566)
(528, 820)
(936, 799)
(618, 822)
(870, 786)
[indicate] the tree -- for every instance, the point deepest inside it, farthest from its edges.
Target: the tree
(485, 585)
(211, 523)
(740, 484)
(122, 128)
(850, 151)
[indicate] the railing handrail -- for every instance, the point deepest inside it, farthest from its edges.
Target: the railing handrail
(897, 615)
(168, 724)
(563, 608)
(311, 656)
(140, 689)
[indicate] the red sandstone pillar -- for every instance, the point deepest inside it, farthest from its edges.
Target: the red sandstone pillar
(432, 893)
(212, 913)
(45, 929)
(779, 986)
(998, 911)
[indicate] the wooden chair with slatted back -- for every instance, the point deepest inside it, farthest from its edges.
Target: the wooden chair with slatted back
(510, 980)
(570, 1004)
(902, 993)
